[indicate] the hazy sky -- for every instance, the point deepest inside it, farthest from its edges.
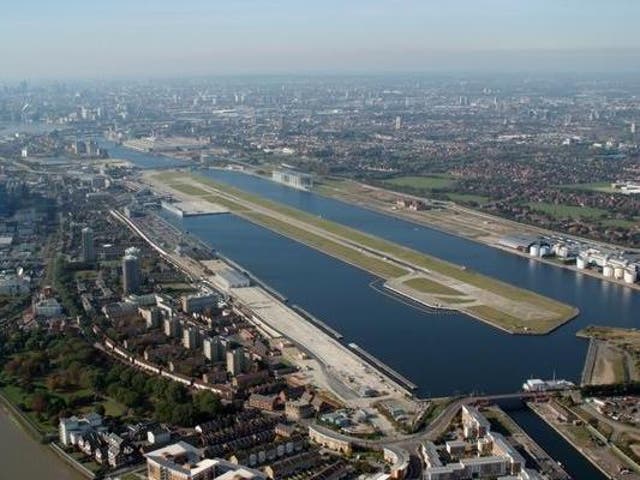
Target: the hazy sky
(93, 38)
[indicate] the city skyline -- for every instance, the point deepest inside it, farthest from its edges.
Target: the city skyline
(82, 39)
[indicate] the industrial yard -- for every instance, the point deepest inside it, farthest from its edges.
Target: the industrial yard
(414, 275)
(613, 355)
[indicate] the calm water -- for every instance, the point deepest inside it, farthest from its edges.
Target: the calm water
(22, 457)
(573, 461)
(443, 353)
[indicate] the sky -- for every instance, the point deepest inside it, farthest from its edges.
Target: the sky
(106, 38)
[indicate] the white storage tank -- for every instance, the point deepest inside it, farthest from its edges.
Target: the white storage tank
(545, 250)
(630, 275)
(563, 251)
(607, 271)
(618, 272)
(581, 263)
(534, 250)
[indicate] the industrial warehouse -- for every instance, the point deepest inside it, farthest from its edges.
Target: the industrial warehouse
(612, 264)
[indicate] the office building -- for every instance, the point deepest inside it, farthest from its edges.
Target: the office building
(199, 303)
(131, 276)
(171, 327)
(190, 338)
(88, 249)
(213, 348)
(235, 361)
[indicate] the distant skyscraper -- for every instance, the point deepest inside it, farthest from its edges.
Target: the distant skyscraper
(190, 338)
(398, 123)
(131, 271)
(235, 361)
(88, 250)
(633, 127)
(213, 348)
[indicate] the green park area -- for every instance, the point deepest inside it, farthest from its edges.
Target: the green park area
(567, 211)
(427, 182)
(47, 376)
(467, 198)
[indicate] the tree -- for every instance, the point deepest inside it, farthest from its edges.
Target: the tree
(176, 393)
(207, 404)
(39, 402)
(163, 411)
(183, 415)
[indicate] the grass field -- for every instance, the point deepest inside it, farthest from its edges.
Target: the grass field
(20, 396)
(429, 182)
(618, 222)
(567, 211)
(558, 312)
(428, 286)
(505, 320)
(467, 197)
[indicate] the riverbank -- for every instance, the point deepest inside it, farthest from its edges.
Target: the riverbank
(20, 441)
(544, 462)
(586, 440)
(510, 308)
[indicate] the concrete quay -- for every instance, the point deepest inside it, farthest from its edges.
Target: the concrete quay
(337, 363)
(194, 208)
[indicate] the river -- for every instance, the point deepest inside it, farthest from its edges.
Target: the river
(444, 353)
(22, 457)
(574, 463)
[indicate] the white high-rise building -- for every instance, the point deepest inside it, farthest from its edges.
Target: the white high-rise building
(88, 250)
(131, 276)
(213, 348)
(235, 361)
